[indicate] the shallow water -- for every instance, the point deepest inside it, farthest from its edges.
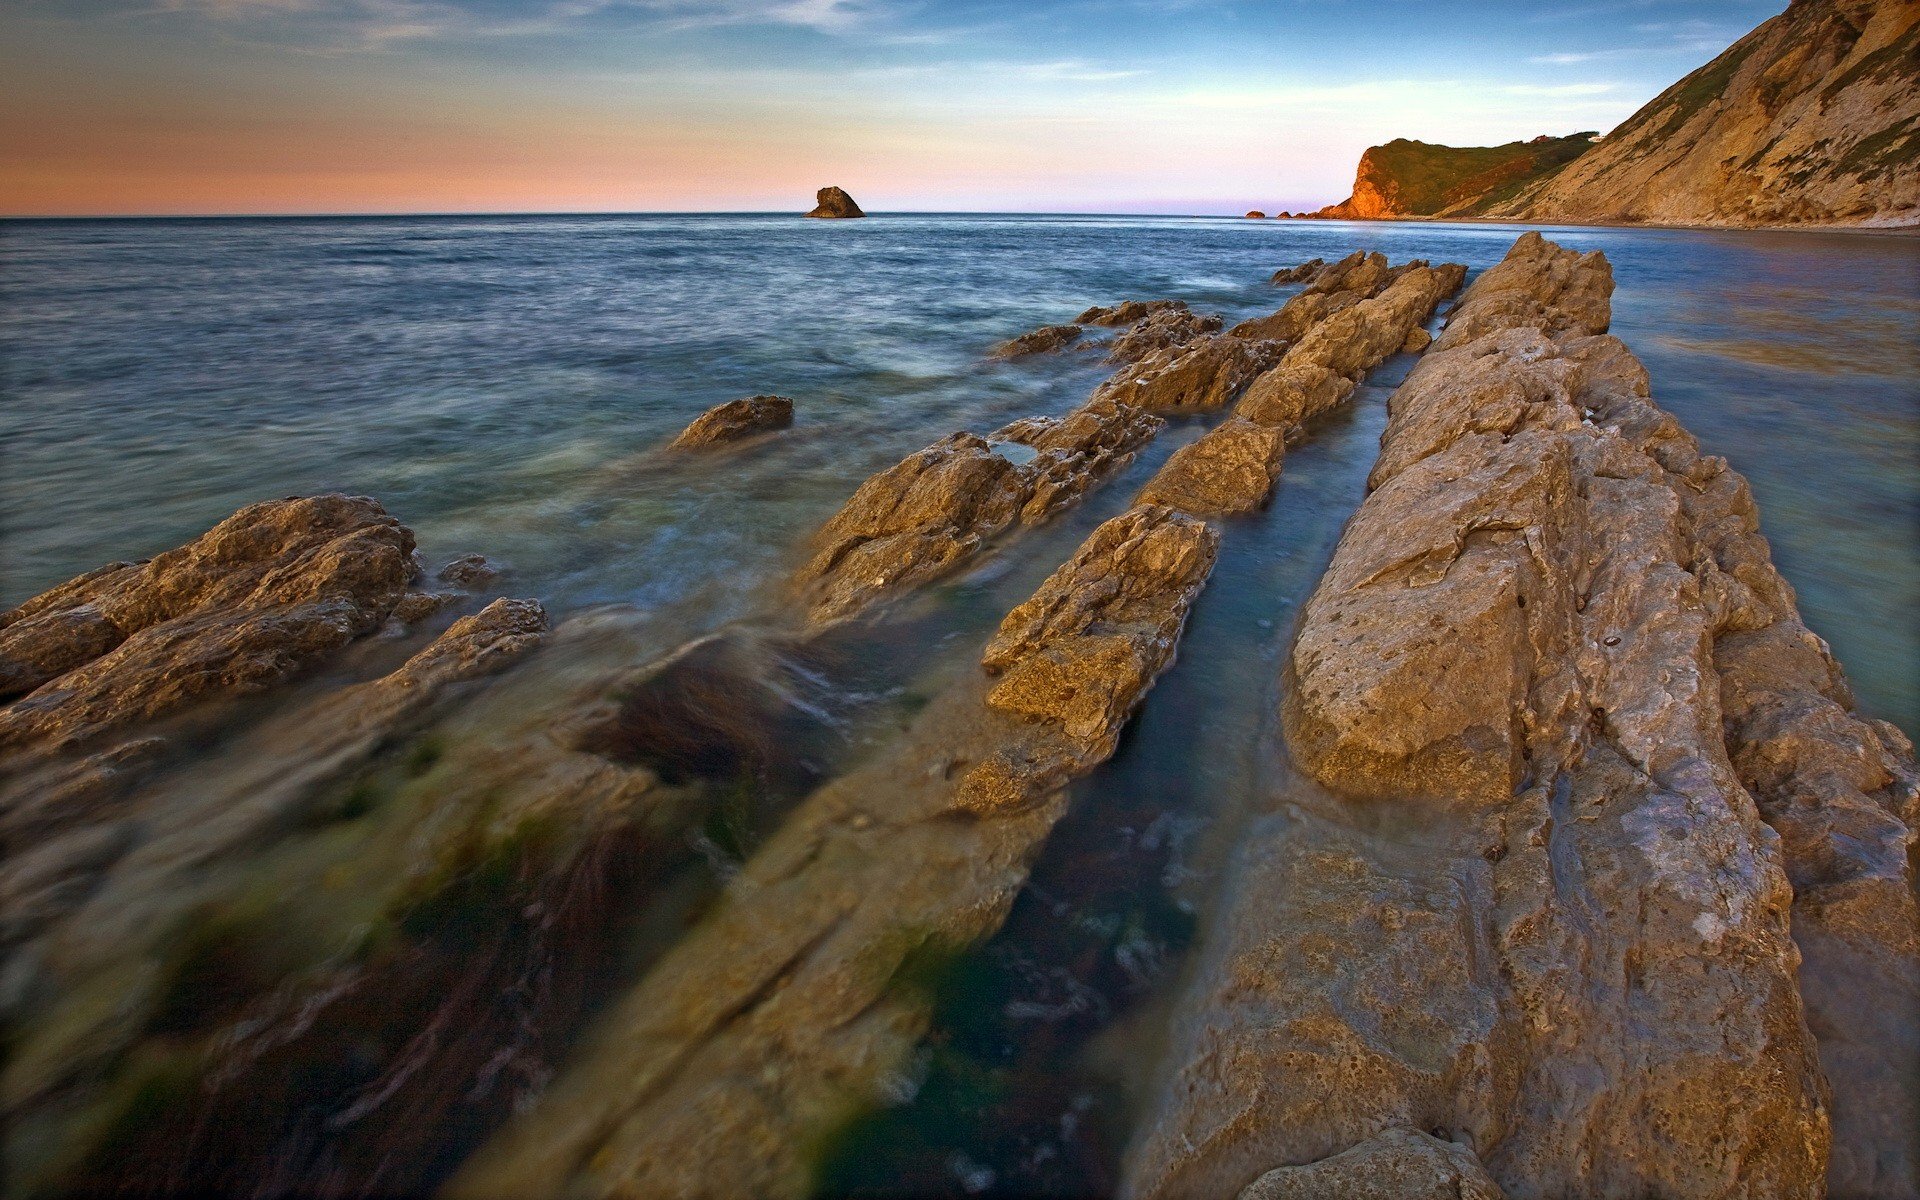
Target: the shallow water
(502, 385)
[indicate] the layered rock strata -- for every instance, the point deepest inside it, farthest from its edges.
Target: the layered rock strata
(1343, 333)
(735, 420)
(795, 1004)
(1592, 793)
(258, 598)
(1040, 341)
(1298, 273)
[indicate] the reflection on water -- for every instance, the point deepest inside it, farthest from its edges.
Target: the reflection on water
(503, 386)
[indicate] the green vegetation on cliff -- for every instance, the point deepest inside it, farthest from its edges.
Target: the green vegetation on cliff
(1419, 179)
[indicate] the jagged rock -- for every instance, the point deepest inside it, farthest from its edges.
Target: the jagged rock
(1163, 330)
(264, 594)
(1400, 1164)
(1086, 646)
(1127, 312)
(1360, 337)
(1041, 340)
(1297, 274)
(734, 420)
(1229, 470)
(1292, 393)
(1201, 375)
(934, 510)
(1354, 278)
(783, 1012)
(1541, 911)
(832, 202)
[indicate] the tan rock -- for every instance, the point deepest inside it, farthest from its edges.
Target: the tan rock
(1202, 375)
(264, 594)
(1292, 393)
(1299, 273)
(734, 420)
(1163, 330)
(1127, 312)
(1400, 1164)
(1229, 470)
(1040, 341)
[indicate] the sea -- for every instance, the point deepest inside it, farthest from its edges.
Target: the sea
(505, 385)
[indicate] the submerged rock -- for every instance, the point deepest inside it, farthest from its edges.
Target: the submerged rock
(833, 202)
(1040, 341)
(1540, 911)
(261, 596)
(734, 420)
(1298, 274)
(797, 1002)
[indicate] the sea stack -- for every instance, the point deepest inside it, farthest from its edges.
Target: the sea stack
(834, 202)
(1255, 214)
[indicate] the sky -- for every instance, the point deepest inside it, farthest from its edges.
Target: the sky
(123, 107)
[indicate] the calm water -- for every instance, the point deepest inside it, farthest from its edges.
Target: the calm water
(503, 385)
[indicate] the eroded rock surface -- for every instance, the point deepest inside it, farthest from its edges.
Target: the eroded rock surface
(921, 518)
(1558, 693)
(736, 419)
(1230, 469)
(1162, 330)
(1400, 1164)
(1127, 312)
(259, 597)
(1040, 341)
(1201, 375)
(792, 1007)
(1297, 274)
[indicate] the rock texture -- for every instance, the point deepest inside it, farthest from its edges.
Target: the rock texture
(1040, 341)
(1160, 331)
(1569, 899)
(794, 1004)
(933, 511)
(266, 593)
(1813, 118)
(1400, 1164)
(734, 420)
(1418, 179)
(1299, 273)
(1126, 312)
(833, 202)
(1201, 375)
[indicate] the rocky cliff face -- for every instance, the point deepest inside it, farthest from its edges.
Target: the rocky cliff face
(1813, 118)
(1417, 179)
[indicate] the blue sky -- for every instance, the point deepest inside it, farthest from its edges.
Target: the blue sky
(1093, 105)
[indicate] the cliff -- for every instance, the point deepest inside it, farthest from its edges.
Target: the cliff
(1418, 179)
(1813, 118)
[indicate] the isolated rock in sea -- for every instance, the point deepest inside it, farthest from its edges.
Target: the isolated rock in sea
(1041, 340)
(1812, 118)
(934, 510)
(790, 1008)
(1536, 909)
(1256, 214)
(1126, 312)
(1201, 375)
(261, 596)
(832, 202)
(736, 419)
(1158, 331)
(1298, 274)
(1399, 1164)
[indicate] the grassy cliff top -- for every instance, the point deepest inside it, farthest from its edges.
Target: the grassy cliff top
(1430, 180)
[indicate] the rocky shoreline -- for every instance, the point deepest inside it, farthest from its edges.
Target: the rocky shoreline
(1587, 879)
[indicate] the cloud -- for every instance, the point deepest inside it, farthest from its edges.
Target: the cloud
(1558, 89)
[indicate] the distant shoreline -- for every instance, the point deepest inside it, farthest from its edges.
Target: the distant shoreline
(1912, 230)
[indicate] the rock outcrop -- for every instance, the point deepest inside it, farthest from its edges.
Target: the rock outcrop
(1256, 215)
(833, 202)
(1040, 341)
(1812, 118)
(795, 1003)
(1299, 273)
(258, 598)
(1586, 891)
(1126, 312)
(920, 519)
(1159, 331)
(1202, 375)
(735, 420)
(1400, 1164)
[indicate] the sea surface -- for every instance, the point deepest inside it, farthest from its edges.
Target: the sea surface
(504, 385)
